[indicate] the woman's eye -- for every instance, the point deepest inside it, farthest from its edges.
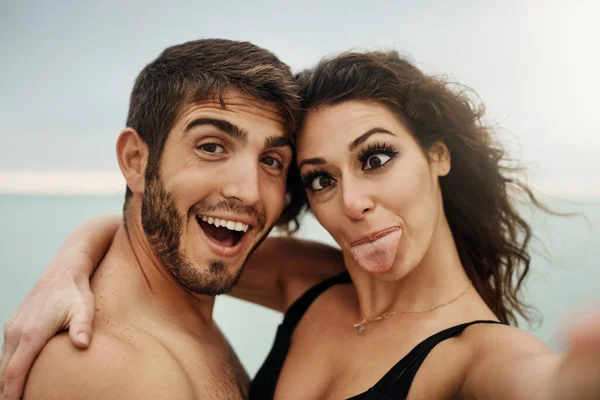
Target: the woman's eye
(321, 182)
(212, 148)
(375, 161)
(272, 162)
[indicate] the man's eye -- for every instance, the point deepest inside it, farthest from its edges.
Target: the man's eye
(272, 162)
(212, 148)
(321, 182)
(375, 161)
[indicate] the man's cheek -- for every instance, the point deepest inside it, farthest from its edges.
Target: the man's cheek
(274, 206)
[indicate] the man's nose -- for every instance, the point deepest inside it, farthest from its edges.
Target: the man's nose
(243, 184)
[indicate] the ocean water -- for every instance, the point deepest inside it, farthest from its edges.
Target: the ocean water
(564, 278)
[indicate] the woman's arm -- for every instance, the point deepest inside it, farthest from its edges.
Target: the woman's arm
(578, 375)
(282, 268)
(61, 299)
(513, 364)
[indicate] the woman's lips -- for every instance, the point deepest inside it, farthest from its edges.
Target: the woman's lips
(373, 236)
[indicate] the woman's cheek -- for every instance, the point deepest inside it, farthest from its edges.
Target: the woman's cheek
(324, 216)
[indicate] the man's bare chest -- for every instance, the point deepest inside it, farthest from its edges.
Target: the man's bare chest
(206, 361)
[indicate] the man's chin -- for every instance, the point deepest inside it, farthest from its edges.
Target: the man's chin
(218, 278)
(220, 274)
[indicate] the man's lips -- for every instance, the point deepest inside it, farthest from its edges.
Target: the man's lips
(374, 236)
(244, 222)
(220, 248)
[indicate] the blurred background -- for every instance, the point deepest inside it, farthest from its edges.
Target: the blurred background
(67, 68)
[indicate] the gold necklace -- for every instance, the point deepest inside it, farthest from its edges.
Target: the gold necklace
(361, 326)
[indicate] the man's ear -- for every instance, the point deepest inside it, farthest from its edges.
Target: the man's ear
(132, 154)
(439, 155)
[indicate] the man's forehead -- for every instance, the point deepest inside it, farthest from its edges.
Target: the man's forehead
(234, 104)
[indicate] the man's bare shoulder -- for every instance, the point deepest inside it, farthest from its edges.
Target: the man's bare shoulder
(110, 368)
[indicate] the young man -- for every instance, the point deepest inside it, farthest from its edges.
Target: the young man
(205, 155)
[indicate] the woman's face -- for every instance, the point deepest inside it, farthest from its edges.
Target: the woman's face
(371, 186)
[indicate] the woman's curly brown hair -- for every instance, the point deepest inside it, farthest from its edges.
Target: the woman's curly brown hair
(490, 235)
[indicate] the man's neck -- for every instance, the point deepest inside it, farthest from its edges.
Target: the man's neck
(131, 271)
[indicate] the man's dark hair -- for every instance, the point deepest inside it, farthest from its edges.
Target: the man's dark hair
(204, 69)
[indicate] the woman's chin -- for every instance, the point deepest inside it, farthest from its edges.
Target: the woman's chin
(388, 270)
(393, 272)
(375, 268)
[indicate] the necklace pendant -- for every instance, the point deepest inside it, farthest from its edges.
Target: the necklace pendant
(360, 329)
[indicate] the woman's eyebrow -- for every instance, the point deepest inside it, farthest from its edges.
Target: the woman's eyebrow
(355, 143)
(312, 161)
(361, 139)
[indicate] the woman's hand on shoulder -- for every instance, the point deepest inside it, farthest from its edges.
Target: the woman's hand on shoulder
(57, 302)
(61, 299)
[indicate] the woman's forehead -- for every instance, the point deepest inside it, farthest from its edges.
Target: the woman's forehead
(342, 123)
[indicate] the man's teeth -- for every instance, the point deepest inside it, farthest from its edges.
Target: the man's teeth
(231, 225)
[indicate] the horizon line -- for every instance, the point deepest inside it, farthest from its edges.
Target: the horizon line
(94, 183)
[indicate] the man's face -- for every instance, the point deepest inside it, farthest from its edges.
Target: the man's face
(221, 188)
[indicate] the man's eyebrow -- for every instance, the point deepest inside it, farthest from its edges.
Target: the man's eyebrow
(361, 139)
(312, 161)
(277, 141)
(224, 126)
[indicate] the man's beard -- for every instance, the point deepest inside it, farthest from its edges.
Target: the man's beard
(164, 227)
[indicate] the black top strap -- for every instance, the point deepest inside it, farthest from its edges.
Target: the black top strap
(265, 381)
(396, 383)
(294, 314)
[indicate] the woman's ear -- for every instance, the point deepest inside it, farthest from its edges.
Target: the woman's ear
(440, 159)
(132, 154)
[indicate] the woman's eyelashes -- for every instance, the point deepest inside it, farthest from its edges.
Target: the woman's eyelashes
(372, 158)
(318, 180)
(376, 155)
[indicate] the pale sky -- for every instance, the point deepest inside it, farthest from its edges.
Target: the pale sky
(67, 69)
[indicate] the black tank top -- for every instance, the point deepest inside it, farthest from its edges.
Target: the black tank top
(394, 384)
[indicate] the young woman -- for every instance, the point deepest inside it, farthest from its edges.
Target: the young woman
(400, 170)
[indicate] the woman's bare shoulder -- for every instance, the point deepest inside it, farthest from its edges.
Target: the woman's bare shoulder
(487, 338)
